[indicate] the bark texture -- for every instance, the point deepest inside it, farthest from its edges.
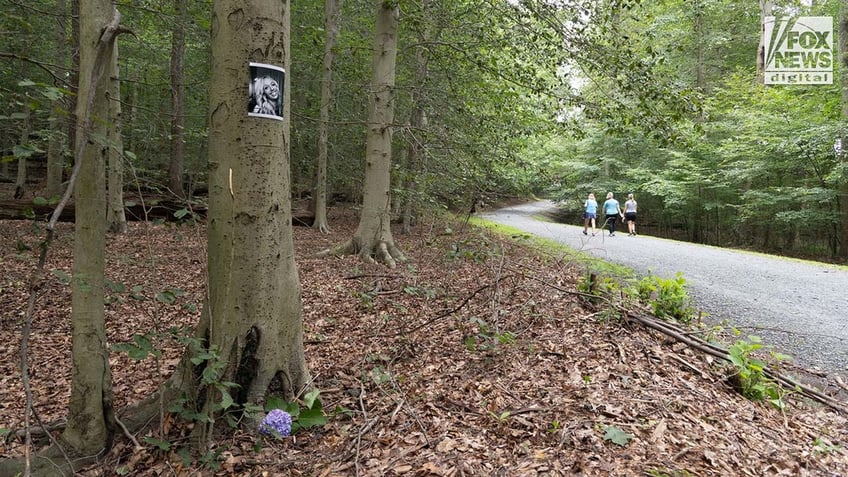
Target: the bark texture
(766, 8)
(55, 149)
(251, 322)
(116, 217)
(373, 239)
(416, 158)
(175, 167)
(332, 21)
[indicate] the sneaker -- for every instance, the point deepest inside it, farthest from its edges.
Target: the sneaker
(612, 235)
(593, 235)
(584, 232)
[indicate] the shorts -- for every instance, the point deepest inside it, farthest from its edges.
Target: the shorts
(630, 217)
(587, 215)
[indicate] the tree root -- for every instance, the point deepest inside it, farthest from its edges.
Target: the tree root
(379, 251)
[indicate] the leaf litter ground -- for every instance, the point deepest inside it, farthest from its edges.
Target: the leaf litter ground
(474, 358)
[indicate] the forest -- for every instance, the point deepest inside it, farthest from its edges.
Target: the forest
(141, 134)
(659, 99)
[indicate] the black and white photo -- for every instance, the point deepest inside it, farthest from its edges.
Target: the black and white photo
(266, 91)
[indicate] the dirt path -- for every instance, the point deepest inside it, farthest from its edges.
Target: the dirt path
(800, 307)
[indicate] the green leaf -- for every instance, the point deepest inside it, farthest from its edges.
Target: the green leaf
(181, 213)
(615, 435)
(40, 201)
(311, 418)
(275, 402)
(166, 297)
(311, 398)
(136, 293)
(116, 287)
(24, 151)
(226, 400)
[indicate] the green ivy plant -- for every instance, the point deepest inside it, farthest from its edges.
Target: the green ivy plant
(749, 376)
(667, 297)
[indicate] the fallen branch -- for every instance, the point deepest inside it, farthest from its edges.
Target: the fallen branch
(713, 350)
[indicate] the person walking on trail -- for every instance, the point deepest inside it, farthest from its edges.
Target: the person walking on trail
(590, 214)
(612, 210)
(630, 215)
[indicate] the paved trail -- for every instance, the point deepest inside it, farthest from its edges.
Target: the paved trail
(799, 307)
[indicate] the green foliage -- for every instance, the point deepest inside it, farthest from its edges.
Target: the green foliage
(667, 297)
(306, 413)
(821, 446)
(140, 348)
(616, 435)
(749, 376)
(366, 299)
(487, 337)
(607, 290)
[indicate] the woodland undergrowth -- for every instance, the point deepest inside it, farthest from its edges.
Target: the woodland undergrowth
(482, 355)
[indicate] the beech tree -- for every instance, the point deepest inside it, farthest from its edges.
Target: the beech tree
(250, 331)
(91, 420)
(116, 218)
(373, 239)
(177, 80)
(55, 151)
(843, 153)
(332, 21)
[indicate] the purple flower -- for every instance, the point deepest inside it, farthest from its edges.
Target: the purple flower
(277, 422)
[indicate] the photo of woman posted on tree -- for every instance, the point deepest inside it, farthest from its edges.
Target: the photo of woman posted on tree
(266, 91)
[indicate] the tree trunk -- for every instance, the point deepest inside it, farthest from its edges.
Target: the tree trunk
(115, 216)
(843, 153)
(332, 20)
(55, 148)
(20, 180)
(373, 237)
(416, 150)
(766, 8)
(175, 167)
(251, 322)
(71, 126)
(91, 421)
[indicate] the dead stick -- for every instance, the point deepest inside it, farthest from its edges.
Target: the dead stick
(713, 350)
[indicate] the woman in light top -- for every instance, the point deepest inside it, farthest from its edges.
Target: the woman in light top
(590, 214)
(612, 210)
(630, 214)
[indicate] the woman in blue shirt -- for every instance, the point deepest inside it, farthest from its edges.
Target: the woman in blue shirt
(612, 210)
(590, 214)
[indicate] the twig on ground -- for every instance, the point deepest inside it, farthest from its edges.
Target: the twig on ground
(444, 313)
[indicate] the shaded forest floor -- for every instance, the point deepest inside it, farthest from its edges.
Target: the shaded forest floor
(474, 358)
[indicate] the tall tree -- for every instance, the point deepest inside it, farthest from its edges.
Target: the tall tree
(178, 40)
(332, 22)
(56, 147)
(116, 218)
(21, 178)
(415, 157)
(91, 421)
(766, 10)
(373, 239)
(843, 152)
(251, 322)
